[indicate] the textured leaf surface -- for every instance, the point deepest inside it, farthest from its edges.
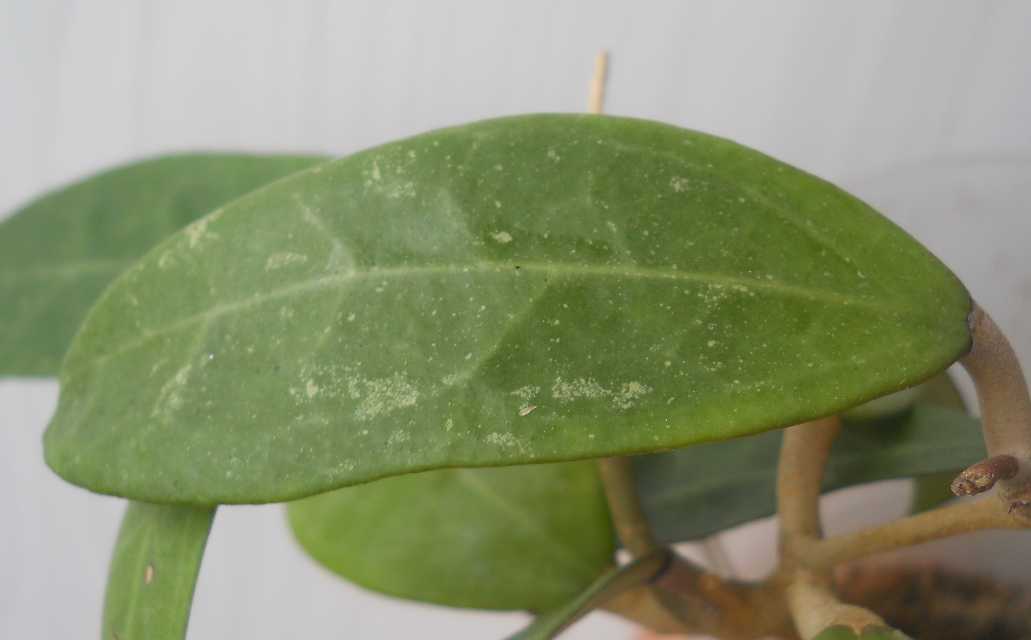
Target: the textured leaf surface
(59, 252)
(529, 289)
(154, 570)
(528, 537)
(692, 493)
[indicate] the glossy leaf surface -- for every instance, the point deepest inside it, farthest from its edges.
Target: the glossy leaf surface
(528, 537)
(692, 493)
(154, 571)
(59, 252)
(529, 289)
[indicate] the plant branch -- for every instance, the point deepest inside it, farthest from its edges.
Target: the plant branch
(1006, 411)
(803, 457)
(944, 522)
(596, 102)
(627, 515)
(816, 607)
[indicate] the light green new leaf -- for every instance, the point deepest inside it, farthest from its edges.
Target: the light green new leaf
(529, 289)
(154, 570)
(528, 537)
(59, 252)
(692, 493)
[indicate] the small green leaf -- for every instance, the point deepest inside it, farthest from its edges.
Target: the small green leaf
(154, 570)
(59, 252)
(553, 287)
(603, 589)
(526, 537)
(691, 493)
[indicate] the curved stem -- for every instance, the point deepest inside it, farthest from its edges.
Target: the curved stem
(817, 608)
(1006, 411)
(627, 515)
(803, 458)
(948, 521)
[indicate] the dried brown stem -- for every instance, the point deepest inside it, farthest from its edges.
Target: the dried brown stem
(982, 476)
(1005, 407)
(965, 517)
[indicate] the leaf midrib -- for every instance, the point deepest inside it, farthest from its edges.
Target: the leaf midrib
(513, 269)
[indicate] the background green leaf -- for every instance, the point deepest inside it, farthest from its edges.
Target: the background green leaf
(609, 585)
(528, 289)
(153, 572)
(59, 252)
(692, 493)
(528, 537)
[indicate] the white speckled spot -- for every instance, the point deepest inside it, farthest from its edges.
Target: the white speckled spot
(381, 396)
(502, 237)
(284, 259)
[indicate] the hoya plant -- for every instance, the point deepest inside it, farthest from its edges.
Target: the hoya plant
(478, 362)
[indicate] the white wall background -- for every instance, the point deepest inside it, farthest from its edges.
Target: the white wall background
(922, 108)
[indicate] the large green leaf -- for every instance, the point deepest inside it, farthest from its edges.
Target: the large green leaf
(59, 252)
(154, 570)
(691, 493)
(528, 537)
(528, 289)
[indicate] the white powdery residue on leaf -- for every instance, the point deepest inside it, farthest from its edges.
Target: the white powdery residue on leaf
(502, 237)
(679, 184)
(397, 437)
(629, 394)
(401, 190)
(170, 397)
(578, 389)
(198, 231)
(284, 259)
(379, 396)
(622, 396)
(526, 393)
(506, 440)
